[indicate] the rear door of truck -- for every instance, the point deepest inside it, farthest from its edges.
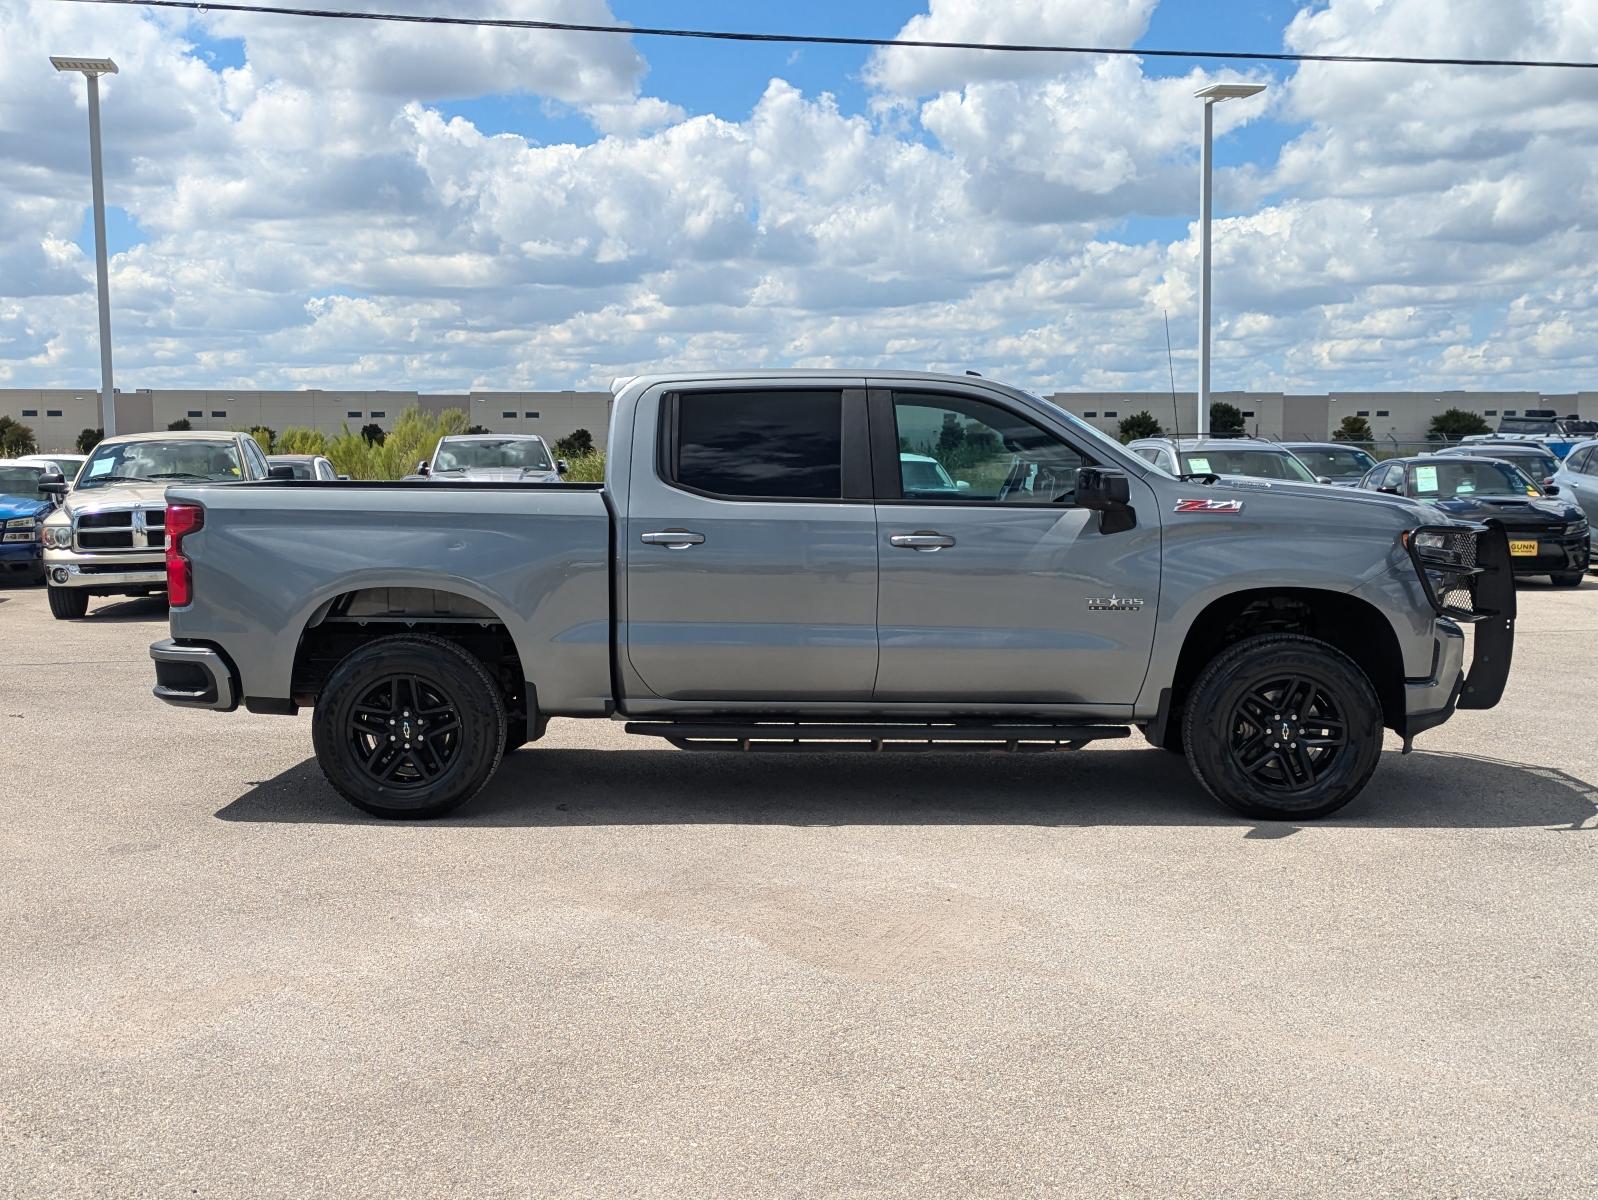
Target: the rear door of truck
(749, 542)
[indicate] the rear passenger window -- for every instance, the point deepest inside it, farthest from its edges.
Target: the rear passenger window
(781, 445)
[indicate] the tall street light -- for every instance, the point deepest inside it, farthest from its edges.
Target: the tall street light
(91, 69)
(1211, 96)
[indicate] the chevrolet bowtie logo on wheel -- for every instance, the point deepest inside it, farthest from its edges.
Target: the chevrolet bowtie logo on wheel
(1114, 603)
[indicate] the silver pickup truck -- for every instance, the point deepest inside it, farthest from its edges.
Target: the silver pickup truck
(771, 566)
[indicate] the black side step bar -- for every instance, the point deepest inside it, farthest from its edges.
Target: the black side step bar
(804, 737)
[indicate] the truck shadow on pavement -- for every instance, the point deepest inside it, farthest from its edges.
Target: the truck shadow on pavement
(137, 608)
(566, 787)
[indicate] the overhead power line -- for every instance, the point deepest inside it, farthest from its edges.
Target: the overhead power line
(816, 39)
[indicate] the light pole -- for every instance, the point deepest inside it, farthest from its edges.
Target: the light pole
(91, 69)
(1211, 96)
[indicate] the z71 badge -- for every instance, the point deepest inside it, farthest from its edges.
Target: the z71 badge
(1209, 506)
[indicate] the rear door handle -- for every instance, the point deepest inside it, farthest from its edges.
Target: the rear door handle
(672, 539)
(922, 540)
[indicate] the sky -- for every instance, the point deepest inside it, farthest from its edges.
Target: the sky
(301, 203)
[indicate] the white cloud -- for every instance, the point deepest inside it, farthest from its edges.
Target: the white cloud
(313, 216)
(921, 71)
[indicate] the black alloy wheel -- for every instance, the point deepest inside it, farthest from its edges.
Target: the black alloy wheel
(405, 730)
(1282, 727)
(410, 726)
(1287, 733)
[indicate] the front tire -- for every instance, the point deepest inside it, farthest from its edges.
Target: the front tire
(1282, 727)
(68, 604)
(1568, 578)
(409, 727)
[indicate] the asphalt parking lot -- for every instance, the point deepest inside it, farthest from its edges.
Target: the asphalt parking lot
(627, 971)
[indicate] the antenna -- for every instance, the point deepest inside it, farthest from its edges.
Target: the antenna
(1176, 421)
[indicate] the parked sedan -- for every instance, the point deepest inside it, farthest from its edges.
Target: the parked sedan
(23, 508)
(305, 466)
(1249, 458)
(1547, 533)
(1343, 465)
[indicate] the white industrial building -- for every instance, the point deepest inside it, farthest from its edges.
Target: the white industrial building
(57, 415)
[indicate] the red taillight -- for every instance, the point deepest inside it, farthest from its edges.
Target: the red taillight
(180, 519)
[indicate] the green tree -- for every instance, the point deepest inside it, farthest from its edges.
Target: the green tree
(1225, 419)
(478, 429)
(411, 439)
(1140, 425)
(265, 437)
(575, 444)
(1353, 429)
(373, 434)
(299, 440)
(89, 439)
(181, 425)
(15, 438)
(950, 438)
(1454, 423)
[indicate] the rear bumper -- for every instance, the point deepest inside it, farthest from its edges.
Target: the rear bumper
(194, 676)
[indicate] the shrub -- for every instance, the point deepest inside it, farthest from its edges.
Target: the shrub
(1140, 425)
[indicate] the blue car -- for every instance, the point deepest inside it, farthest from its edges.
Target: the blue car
(23, 509)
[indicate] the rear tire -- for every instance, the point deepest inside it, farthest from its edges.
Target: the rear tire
(68, 604)
(1282, 727)
(370, 727)
(1568, 579)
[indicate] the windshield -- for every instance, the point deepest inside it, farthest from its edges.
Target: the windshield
(22, 482)
(1457, 480)
(1336, 462)
(1257, 463)
(527, 454)
(159, 462)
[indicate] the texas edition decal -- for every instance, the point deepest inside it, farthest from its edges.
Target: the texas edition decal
(1209, 506)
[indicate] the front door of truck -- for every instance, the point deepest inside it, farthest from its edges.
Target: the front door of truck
(750, 545)
(995, 587)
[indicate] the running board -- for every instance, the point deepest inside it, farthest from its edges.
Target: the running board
(790, 737)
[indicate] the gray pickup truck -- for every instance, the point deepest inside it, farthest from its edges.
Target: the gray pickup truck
(770, 566)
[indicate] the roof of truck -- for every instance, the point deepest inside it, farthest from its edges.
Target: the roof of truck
(801, 373)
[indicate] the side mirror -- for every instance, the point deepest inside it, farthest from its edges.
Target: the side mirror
(280, 472)
(561, 466)
(1388, 491)
(53, 487)
(421, 468)
(1550, 489)
(344, 477)
(1102, 490)
(1323, 479)
(1109, 493)
(962, 484)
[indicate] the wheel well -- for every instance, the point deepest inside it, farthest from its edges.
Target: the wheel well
(353, 619)
(1354, 626)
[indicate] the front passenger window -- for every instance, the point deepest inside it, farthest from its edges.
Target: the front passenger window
(964, 450)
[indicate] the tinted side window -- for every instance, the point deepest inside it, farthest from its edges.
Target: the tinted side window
(776, 444)
(963, 449)
(1581, 462)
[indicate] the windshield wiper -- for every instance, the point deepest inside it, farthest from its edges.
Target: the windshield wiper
(177, 475)
(98, 479)
(1200, 477)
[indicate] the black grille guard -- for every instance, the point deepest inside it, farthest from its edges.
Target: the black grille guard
(1480, 569)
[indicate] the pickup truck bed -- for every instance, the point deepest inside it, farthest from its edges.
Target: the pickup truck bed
(784, 561)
